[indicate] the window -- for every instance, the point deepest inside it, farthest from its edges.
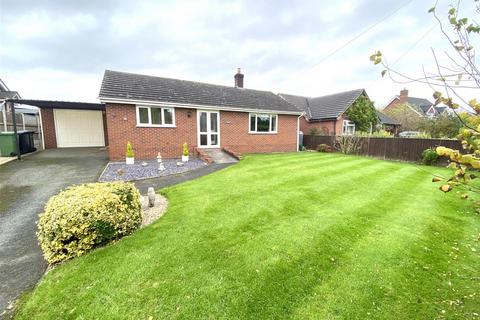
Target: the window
(155, 116)
(348, 128)
(263, 123)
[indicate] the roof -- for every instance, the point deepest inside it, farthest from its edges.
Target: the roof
(60, 104)
(325, 107)
(130, 86)
(440, 109)
(424, 104)
(9, 95)
(384, 119)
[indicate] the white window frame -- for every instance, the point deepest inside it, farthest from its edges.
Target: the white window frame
(250, 115)
(150, 124)
(348, 124)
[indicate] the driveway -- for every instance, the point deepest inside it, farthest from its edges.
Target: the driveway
(25, 186)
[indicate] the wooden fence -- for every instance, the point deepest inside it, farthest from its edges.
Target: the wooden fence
(407, 149)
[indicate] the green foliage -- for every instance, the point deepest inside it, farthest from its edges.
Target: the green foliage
(363, 114)
(429, 157)
(129, 153)
(323, 147)
(444, 126)
(423, 135)
(313, 131)
(185, 149)
(85, 216)
(376, 134)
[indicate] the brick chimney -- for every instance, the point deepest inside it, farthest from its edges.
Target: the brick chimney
(403, 96)
(238, 79)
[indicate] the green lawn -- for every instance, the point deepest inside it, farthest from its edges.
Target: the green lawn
(299, 236)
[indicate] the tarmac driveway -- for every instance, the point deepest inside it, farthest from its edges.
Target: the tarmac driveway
(25, 187)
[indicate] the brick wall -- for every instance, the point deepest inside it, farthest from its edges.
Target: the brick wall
(147, 142)
(392, 104)
(48, 125)
(234, 135)
(330, 127)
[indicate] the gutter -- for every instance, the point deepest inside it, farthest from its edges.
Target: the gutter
(298, 131)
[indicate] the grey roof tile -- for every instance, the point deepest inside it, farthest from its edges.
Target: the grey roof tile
(384, 119)
(424, 104)
(325, 107)
(9, 94)
(123, 85)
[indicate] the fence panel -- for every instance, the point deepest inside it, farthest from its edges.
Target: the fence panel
(407, 149)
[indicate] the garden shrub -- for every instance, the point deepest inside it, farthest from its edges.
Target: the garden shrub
(376, 134)
(129, 153)
(348, 144)
(323, 147)
(429, 157)
(85, 216)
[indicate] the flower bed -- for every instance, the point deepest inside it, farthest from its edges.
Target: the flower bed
(120, 171)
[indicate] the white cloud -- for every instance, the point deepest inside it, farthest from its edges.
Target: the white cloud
(44, 25)
(50, 54)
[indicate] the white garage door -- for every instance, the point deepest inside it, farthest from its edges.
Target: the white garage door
(79, 128)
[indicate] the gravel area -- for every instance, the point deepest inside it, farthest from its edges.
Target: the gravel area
(120, 171)
(150, 214)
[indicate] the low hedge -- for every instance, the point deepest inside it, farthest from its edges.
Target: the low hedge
(86, 216)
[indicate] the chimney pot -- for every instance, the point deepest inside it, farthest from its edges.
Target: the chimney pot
(239, 79)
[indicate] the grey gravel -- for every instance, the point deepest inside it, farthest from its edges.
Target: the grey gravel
(120, 171)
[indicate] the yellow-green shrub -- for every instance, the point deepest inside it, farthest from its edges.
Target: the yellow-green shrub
(85, 216)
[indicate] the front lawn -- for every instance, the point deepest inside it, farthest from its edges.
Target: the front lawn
(306, 235)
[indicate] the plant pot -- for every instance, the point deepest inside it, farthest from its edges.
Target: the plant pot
(184, 158)
(130, 160)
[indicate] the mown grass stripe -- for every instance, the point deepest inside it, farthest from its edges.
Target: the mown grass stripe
(255, 241)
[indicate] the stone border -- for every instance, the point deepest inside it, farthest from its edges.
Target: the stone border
(152, 214)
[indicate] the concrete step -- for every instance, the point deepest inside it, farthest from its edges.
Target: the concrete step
(219, 156)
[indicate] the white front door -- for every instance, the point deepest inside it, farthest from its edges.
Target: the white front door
(208, 129)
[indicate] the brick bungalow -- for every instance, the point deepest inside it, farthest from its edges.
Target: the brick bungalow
(160, 114)
(326, 114)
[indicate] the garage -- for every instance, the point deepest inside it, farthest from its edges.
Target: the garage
(68, 124)
(79, 128)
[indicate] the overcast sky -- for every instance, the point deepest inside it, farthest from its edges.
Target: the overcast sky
(58, 50)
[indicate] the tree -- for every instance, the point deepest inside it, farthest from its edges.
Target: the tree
(362, 113)
(409, 119)
(455, 70)
(444, 126)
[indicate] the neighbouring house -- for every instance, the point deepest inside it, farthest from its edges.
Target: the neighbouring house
(388, 124)
(158, 114)
(326, 114)
(421, 107)
(26, 118)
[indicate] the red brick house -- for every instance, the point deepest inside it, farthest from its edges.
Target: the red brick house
(419, 106)
(158, 114)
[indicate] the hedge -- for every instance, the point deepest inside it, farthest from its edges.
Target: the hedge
(85, 216)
